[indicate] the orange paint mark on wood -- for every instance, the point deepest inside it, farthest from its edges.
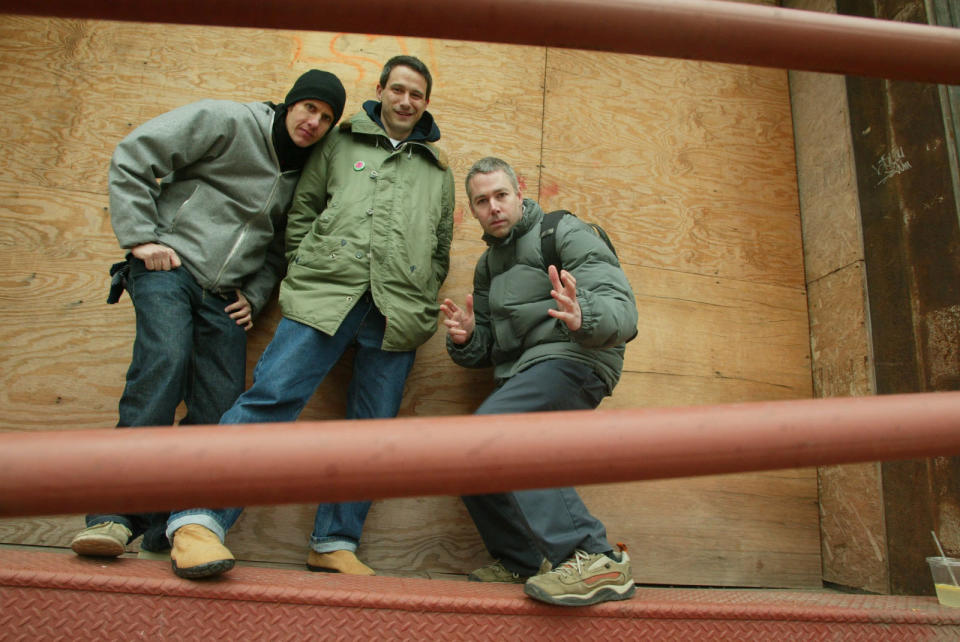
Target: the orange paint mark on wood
(548, 191)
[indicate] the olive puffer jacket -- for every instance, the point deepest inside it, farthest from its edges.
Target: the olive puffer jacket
(511, 296)
(366, 215)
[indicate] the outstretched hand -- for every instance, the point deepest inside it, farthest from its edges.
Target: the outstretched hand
(564, 293)
(459, 322)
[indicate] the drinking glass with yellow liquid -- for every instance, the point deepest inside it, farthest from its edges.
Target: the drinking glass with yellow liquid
(946, 571)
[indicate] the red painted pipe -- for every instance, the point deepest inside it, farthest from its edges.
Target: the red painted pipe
(710, 30)
(160, 468)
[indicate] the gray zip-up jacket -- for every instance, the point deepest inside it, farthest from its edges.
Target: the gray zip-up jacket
(204, 179)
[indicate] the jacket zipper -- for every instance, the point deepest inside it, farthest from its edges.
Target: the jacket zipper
(176, 217)
(243, 233)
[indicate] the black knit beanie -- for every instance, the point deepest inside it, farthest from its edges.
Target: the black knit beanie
(319, 85)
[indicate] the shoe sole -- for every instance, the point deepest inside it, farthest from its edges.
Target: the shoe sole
(606, 594)
(324, 569)
(210, 569)
(98, 547)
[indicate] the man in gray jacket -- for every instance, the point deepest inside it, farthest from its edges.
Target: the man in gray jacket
(198, 197)
(556, 342)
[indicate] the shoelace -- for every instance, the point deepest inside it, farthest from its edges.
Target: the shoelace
(575, 562)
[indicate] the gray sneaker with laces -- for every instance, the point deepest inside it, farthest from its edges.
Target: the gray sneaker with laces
(585, 578)
(496, 572)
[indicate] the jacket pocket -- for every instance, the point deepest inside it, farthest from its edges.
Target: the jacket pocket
(319, 251)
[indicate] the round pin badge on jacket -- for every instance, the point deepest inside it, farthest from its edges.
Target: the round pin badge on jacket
(358, 166)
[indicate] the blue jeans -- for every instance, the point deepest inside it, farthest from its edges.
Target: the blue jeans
(293, 365)
(186, 349)
(522, 527)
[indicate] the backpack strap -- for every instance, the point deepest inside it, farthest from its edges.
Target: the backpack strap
(548, 239)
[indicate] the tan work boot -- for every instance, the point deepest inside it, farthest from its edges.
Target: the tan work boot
(345, 562)
(107, 539)
(197, 552)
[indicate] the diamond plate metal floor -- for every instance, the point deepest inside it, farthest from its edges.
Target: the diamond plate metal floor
(52, 596)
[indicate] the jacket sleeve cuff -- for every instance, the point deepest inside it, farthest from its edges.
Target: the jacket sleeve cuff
(588, 318)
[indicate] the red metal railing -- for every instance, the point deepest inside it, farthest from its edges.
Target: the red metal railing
(160, 468)
(710, 30)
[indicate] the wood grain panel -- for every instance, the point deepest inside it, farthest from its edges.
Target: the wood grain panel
(64, 352)
(697, 328)
(689, 165)
(756, 529)
(826, 174)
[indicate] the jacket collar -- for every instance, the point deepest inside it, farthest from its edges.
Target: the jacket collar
(425, 131)
(423, 135)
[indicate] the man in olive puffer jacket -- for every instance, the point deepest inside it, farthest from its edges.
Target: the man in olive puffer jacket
(556, 342)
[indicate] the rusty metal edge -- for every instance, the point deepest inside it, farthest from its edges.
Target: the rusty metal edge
(709, 30)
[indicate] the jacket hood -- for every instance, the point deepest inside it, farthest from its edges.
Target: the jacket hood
(532, 214)
(425, 131)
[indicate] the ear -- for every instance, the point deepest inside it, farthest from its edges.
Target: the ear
(379, 91)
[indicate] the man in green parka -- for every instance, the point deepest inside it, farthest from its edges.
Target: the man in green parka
(556, 342)
(368, 243)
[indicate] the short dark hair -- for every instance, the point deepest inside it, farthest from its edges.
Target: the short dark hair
(489, 165)
(407, 61)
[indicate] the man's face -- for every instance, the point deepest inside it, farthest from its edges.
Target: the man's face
(404, 100)
(495, 203)
(308, 120)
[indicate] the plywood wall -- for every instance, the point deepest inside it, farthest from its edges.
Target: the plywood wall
(689, 166)
(853, 532)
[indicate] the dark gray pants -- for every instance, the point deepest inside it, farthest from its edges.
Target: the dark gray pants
(521, 528)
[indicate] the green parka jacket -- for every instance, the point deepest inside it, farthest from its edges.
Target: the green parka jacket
(368, 216)
(511, 296)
